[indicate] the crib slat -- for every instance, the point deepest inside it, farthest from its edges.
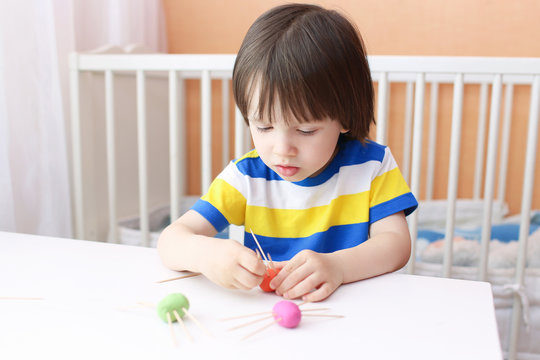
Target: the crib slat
(406, 163)
(225, 121)
(432, 147)
(247, 136)
(74, 92)
(453, 172)
(239, 138)
(174, 147)
(490, 175)
(111, 155)
(206, 131)
(382, 101)
(480, 141)
(182, 185)
(505, 141)
(526, 203)
(416, 161)
(143, 168)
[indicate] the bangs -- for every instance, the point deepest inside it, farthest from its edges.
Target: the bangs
(293, 82)
(301, 63)
(285, 99)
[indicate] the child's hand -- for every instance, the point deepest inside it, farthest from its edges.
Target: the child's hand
(310, 275)
(232, 265)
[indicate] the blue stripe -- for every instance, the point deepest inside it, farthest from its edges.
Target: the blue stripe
(406, 202)
(211, 214)
(256, 168)
(351, 152)
(334, 239)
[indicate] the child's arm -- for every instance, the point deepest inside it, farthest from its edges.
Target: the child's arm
(188, 244)
(388, 249)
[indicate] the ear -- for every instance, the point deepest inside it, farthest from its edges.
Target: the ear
(344, 131)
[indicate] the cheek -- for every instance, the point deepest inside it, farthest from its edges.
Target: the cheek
(323, 150)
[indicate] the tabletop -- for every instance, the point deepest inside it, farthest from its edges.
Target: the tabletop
(64, 298)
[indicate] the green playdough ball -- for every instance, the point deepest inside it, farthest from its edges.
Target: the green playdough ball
(170, 303)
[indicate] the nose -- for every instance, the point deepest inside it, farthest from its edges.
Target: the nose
(284, 145)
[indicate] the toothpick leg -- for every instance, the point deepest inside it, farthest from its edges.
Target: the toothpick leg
(197, 322)
(271, 262)
(181, 322)
(260, 329)
(250, 322)
(318, 309)
(20, 298)
(147, 304)
(171, 329)
(324, 315)
(245, 316)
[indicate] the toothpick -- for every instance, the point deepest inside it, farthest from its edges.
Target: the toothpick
(171, 329)
(259, 245)
(20, 298)
(147, 304)
(245, 316)
(181, 322)
(197, 322)
(260, 329)
(178, 277)
(318, 309)
(271, 262)
(324, 315)
(249, 323)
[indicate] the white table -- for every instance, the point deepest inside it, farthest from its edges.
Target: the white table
(88, 309)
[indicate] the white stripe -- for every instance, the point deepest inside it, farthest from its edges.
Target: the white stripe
(388, 162)
(279, 194)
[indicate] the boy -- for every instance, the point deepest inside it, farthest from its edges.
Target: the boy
(324, 201)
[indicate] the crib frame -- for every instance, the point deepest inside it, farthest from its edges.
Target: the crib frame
(498, 73)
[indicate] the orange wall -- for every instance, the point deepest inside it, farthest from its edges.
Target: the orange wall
(389, 27)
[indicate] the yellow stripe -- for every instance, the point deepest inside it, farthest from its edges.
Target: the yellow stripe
(252, 154)
(346, 209)
(387, 186)
(233, 204)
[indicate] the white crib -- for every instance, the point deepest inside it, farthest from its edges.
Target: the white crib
(117, 98)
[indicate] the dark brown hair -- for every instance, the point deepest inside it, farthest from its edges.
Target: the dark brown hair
(312, 62)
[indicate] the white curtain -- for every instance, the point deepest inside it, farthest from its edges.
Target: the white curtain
(36, 37)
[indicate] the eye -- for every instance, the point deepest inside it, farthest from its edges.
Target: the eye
(306, 132)
(263, 129)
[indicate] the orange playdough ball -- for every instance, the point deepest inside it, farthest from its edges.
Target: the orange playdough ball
(268, 276)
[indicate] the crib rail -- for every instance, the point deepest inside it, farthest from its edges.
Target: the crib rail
(496, 78)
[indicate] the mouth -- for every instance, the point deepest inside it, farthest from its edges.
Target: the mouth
(287, 171)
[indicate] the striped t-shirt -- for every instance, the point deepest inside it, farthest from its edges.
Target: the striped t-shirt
(325, 213)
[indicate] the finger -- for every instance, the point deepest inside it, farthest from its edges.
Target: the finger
(283, 273)
(248, 260)
(231, 283)
(324, 291)
(236, 283)
(287, 268)
(246, 279)
(294, 278)
(303, 287)
(280, 264)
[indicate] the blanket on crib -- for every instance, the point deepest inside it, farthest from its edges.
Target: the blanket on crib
(466, 247)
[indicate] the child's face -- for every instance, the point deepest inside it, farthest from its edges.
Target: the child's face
(296, 150)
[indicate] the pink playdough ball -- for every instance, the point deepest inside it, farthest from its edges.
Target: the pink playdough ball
(287, 314)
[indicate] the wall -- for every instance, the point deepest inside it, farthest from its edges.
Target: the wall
(389, 27)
